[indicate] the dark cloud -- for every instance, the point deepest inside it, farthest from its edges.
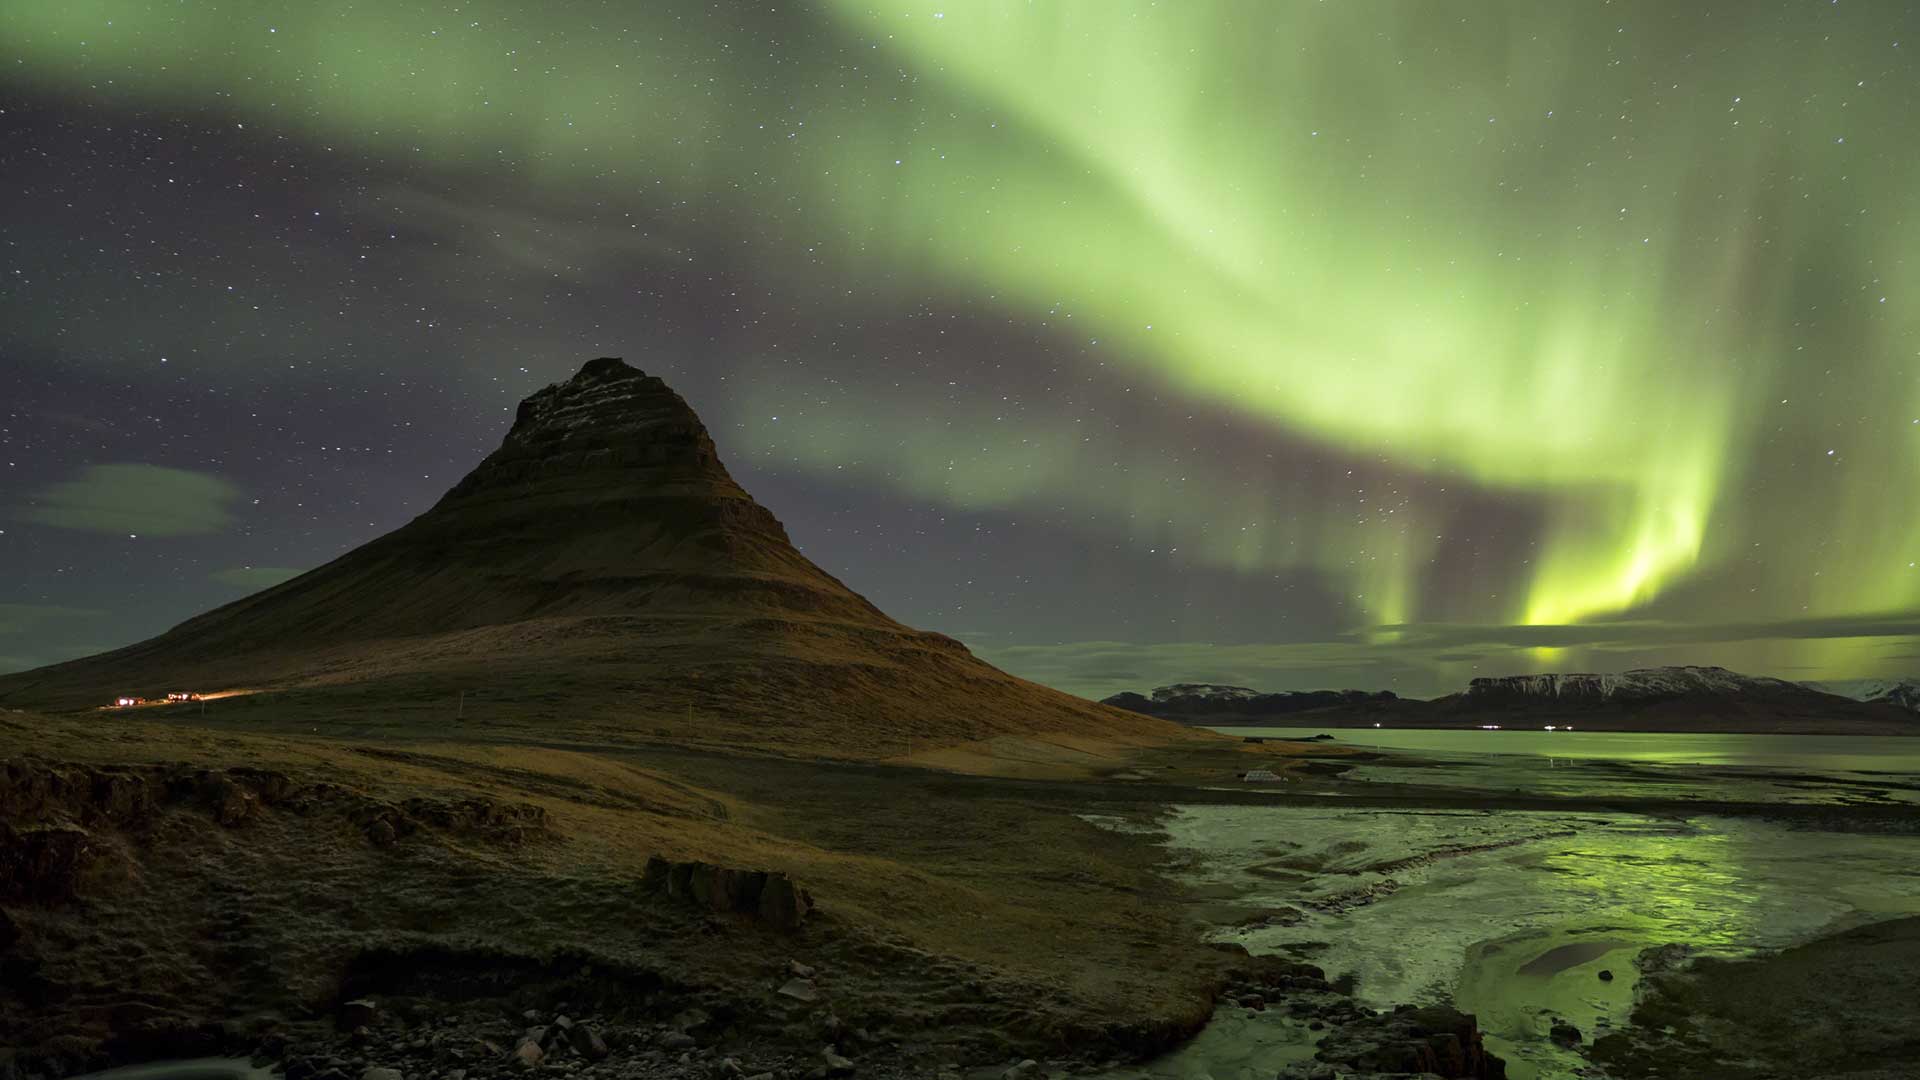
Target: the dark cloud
(21, 618)
(141, 500)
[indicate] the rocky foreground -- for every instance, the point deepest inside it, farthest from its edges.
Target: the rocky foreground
(464, 912)
(414, 1039)
(417, 1038)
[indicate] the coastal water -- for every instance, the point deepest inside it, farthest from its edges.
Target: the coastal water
(1826, 753)
(1512, 915)
(1835, 769)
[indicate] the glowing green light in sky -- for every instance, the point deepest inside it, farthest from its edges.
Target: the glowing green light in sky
(1642, 267)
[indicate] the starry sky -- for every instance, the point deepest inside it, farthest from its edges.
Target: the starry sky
(1290, 344)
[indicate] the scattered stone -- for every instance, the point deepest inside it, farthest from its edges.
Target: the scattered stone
(835, 1064)
(586, 1042)
(1026, 1070)
(381, 1074)
(677, 1040)
(359, 1013)
(1435, 1039)
(799, 970)
(1606, 976)
(690, 1020)
(528, 1054)
(801, 990)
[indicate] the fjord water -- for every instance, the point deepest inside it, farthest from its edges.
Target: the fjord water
(1849, 753)
(1703, 768)
(1512, 915)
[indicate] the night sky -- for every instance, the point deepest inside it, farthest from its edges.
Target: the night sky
(1280, 343)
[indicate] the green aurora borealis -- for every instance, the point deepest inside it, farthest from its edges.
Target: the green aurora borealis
(1542, 335)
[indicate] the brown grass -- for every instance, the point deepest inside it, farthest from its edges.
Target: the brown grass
(1074, 923)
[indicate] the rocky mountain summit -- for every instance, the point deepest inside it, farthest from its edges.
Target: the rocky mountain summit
(601, 571)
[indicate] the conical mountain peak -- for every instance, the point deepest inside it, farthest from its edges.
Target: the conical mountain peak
(609, 416)
(600, 568)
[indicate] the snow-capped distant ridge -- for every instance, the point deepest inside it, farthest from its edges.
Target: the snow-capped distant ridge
(1204, 691)
(1680, 698)
(1217, 702)
(1640, 684)
(1900, 693)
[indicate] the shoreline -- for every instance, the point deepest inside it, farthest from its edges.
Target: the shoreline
(1585, 727)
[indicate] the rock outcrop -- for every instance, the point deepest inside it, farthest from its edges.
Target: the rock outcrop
(57, 820)
(1433, 1039)
(771, 896)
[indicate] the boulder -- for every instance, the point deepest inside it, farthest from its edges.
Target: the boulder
(1564, 1034)
(1434, 1039)
(835, 1064)
(656, 875)
(42, 864)
(527, 1055)
(587, 1042)
(358, 1013)
(783, 903)
(801, 990)
(772, 896)
(378, 1073)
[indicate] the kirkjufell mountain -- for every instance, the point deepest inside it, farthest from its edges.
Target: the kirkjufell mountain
(600, 574)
